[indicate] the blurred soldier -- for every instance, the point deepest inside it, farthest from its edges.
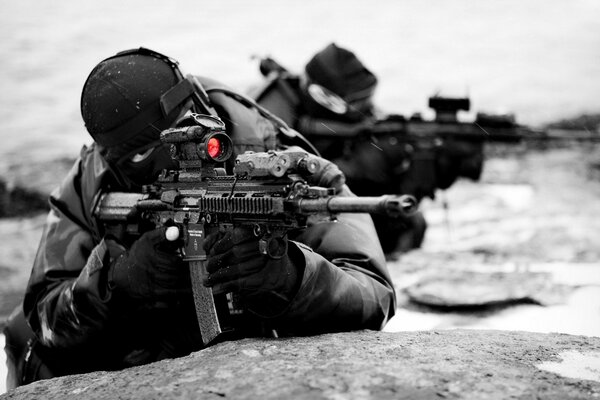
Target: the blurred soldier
(95, 302)
(331, 103)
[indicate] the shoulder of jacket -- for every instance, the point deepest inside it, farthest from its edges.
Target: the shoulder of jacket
(76, 193)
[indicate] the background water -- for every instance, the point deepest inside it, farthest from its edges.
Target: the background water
(539, 58)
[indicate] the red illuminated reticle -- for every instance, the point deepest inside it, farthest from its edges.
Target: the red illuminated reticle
(214, 148)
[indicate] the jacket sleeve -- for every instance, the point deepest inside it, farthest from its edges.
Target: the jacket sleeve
(346, 285)
(64, 301)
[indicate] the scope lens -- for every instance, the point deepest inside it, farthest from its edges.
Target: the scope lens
(214, 147)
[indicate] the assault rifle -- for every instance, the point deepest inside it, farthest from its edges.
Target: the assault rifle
(487, 127)
(445, 126)
(268, 192)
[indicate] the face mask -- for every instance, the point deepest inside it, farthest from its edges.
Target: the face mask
(144, 167)
(134, 164)
(140, 161)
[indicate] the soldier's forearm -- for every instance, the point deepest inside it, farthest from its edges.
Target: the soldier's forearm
(338, 297)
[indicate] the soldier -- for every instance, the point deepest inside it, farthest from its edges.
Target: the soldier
(331, 103)
(94, 302)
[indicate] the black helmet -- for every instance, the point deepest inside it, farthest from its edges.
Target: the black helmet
(340, 71)
(129, 98)
(337, 72)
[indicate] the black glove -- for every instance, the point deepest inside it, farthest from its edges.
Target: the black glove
(458, 158)
(265, 285)
(330, 176)
(151, 269)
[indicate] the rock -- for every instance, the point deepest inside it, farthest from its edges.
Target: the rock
(24, 188)
(366, 364)
(20, 201)
(462, 289)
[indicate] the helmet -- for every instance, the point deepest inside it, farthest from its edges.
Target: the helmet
(128, 99)
(338, 81)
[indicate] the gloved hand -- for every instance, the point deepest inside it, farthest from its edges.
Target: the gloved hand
(458, 158)
(151, 269)
(330, 176)
(235, 264)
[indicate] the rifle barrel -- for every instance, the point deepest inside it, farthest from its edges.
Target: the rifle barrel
(393, 206)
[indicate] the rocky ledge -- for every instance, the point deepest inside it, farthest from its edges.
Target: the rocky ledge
(465, 364)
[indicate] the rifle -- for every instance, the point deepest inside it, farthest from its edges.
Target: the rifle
(445, 126)
(268, 192)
